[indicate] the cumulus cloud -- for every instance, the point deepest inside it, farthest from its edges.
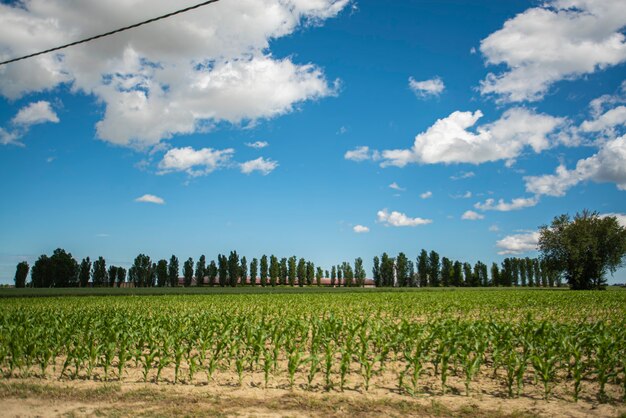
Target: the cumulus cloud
(176, 76)
(502, 206)
(450, 140)
(400, 219)
(518, 243)
(360, 229)
(395, 186)
(362, 153)
(561, 39)
(35, 113)
(608, 165)
(150, 198)
(463, 175)
(470, 215)
(262, 165)
(426, 88)
(32, 114)
(194, 162)
(426, 195)
(257, 144)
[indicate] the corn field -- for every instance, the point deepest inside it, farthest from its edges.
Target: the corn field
(517, 341)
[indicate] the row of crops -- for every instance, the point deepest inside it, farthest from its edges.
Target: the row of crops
(517, 341)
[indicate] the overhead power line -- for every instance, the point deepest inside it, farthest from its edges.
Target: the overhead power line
(136, 25)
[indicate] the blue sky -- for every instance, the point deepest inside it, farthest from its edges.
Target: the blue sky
(327, 129)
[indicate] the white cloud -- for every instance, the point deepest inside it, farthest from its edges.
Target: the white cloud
(463, 175)
(502, 206)
(264, 166)
(176, 76)
(470, 215)
(608, 165)
(450, 141)
(35, 113)
(150, 198)
(257, 144)
(426, 195)
(427, 88)
(395, 186)
(518, 243)
(494, 228)
(360, 229)
(400, 219)
(561, 39)
(31, 114)
(194, 162)
(362, 153)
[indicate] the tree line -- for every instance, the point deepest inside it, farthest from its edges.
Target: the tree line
(580, 250)
(431, 270)
(62, 270)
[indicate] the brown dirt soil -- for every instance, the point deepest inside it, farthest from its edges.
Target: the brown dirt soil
(35, 397)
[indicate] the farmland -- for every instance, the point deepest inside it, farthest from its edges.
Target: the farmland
(551, 348)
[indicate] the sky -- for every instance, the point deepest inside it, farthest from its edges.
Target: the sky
(325, 129)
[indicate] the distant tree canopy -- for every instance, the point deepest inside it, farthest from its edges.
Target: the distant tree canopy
(20, 274)
(583, 249)
(58, 270)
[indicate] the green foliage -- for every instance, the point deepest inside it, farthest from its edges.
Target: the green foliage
(161, 272)
(584, 248)
(172, 271)
(58, 270)
(188, 271)
(21, 272)
(200, 270)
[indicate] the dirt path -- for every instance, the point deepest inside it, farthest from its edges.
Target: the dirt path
(37, 398)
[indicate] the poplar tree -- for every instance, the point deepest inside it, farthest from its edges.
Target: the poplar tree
(254, 268)
(467, 272)
(292, 270)
(188, 271)
(274, 270)
(446, 272)
(359, 272)
(495, 275)
(111, 275)
(376, 272)
(264, 270)
(386, 270)
(21, 272)
(121, 276)
(243, 271)
(172, 271)
(200, 270)
(402, 270)
(161, 272)
(84, 272)
(457, 274)
(333, 276)
(423, 268)
(310, 273)
(283, 271)
(233, 268)
(99, 272)
(301, 272)
(433, 264)
(318, 276)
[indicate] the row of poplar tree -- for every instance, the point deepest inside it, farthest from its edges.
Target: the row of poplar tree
(430, 270)
(62, 270)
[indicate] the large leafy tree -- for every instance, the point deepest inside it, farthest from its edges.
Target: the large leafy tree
(301, 272)
(20, 274)
(446, 271)
(222, 270)
(99, 272)
(310, 273)
(457, 274)
(495, 275)
(141, 271)
(243, 271)
(172, 271)
(583, 249)
(283, 271)
(386, 270)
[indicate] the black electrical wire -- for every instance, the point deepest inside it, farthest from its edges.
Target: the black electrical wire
(145, 22)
